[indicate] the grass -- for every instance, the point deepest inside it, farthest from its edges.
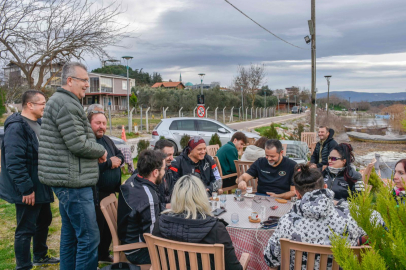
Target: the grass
(262, 129)
(7, 228)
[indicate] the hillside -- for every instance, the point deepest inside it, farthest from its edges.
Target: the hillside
(363, 96)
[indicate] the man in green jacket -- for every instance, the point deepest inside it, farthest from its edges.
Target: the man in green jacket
(228, 153)
(68, 158)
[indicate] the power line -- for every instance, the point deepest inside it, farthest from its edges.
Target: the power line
(264, 27)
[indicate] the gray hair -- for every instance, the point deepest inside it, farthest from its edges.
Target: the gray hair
(95, 107)
(273, 143)
(68, 70)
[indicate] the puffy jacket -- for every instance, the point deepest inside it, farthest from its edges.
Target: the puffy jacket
(312, 220)
(252, 153)
(68, 150)
(206, 169)
(204, 231)
(138, 208)
(328, 146)
(338, 184)
(19, 163)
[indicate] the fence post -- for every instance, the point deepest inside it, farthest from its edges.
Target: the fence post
(166, 110)
(215, 114)
(231, 116)
(251, 112)
(207, 111)
(224, 115)
(110, 118)
(180, 111)
(260, 112)
(246, 114)
(141, 117)
(239, 113)
(194, 111)
(163, 112)
(131, 120)
(146, 118)
(256, 112)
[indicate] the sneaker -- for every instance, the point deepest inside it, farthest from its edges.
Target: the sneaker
(47, 260)
(108, 259)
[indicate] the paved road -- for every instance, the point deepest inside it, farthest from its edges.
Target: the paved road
(247, 125)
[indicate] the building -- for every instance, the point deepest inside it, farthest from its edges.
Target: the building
(205, 86)
(105, 88)
(169, 85)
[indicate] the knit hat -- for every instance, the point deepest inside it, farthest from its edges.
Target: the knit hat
(195, 141)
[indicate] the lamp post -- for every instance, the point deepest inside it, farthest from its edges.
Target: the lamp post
(287, 111)
(328, 91)
(201, 82)
(242, 102)
(128, 93)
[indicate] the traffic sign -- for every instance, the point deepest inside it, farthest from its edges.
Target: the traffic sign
(201, 111)
(200, 99)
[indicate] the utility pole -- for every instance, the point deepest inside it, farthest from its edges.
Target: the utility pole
(328, 77)
(312, 28)
(265, 98)
(349, 99)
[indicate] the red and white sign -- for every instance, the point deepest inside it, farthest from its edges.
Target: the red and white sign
(201, 111)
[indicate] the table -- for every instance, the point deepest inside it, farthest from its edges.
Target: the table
(247, 237)
(126, 150)
(296, 148)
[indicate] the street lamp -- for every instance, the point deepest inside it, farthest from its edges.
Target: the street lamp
(201, 82)
(328, 91)
(128, 58)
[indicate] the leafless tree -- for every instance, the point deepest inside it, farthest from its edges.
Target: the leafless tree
(35, 35)
(280, 93)
(250, 79)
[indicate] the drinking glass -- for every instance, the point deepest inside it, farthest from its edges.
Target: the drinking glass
(223, 198)
(235, 218)
(214, 195)
(238, 192)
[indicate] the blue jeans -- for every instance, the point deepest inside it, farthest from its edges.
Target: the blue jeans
(80, 234)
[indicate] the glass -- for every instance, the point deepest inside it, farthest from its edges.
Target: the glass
(235, 218)
(263, 212)
(41, 104)
(238, 192)
(223, 198)
(214, 195)
(80, 79)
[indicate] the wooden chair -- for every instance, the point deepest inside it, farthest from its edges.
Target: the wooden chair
(225, 190)
(212, 149)
(309, 138)
(285, 148)
(312, 147)
(312, 250)
(162, 253)
(109, 208)
(242, 167)
(250, 141)
(367, 172)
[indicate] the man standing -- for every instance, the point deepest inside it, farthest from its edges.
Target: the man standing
(68, 155)
(19, 182)
(165, 188)
(274, 173)
(228, 153)
(109, 179)
(139, 204)
(194, 160)
(323, 148)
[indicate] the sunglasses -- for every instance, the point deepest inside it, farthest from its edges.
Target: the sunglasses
(334, 158)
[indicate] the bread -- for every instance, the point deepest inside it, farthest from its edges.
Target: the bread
(281, 200)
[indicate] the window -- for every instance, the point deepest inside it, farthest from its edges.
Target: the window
(89, 101)
(106, 84)
(124, 85)
(183, 125)
(94, 84)
(208, 126)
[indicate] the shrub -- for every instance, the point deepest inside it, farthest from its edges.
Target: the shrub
(215, 139)
(162, 137)
(142, 145)
(184, 140)
(271, 133)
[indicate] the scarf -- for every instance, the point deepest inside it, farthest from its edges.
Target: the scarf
(335, 171)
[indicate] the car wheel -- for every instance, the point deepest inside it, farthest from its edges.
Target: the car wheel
(175, 148)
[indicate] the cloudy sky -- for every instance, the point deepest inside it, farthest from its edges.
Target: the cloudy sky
(361, 43)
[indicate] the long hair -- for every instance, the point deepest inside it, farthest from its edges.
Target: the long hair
(189, 196)
(345, 151)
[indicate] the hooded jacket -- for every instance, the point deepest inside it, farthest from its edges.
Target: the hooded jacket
(338, 184)
(311, 220)
(204, 231)
(252, 153)
(19, 163)
(328, 146)
(205, 169)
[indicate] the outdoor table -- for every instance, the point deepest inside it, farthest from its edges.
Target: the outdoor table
(248, 237)
(296, 148)
(126, 150)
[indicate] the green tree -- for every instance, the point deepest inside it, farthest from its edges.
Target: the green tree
(215, 139)
(271, 132)
(133, 100)
(184, 140)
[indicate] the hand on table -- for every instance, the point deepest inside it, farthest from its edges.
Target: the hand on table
(242, 185)
(103, 158)
(29, 199)
(115, 162)
(274, 195)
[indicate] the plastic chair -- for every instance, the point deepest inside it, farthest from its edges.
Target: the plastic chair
(158, 246)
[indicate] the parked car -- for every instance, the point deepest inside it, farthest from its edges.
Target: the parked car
(116, 140)
(295, 109)
(174, 128)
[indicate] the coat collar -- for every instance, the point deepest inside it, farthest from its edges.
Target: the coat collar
(66, 92)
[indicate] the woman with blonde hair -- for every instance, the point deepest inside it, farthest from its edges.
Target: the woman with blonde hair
(190, 220)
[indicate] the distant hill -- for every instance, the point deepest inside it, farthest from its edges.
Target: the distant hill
(363, 96)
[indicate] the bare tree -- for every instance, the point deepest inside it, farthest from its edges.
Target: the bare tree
(280, 93)
(36, 35)
(250, 79)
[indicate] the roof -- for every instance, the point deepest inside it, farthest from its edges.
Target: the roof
(167, 84)
(108, 75)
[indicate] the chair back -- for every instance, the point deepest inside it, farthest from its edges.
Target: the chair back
(242, 167)
(312, 250)
(162, 253)
(312, 147)
(251, 141)
(223, 177)
(285, 148)
(367, 172)
(309, 138)
(212, 149)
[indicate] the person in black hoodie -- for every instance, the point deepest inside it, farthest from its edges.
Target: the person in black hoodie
(139, 204)
(323, 148)
(19, 183)
(190, 220)
(109, 178)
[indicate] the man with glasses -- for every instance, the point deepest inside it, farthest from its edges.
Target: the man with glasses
(68, 162)
(19, 182)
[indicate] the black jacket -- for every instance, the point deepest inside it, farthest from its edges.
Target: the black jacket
(338, 183)
(205, 169)
(328, 145)
(138, 209)
(19, 163)
(204, 231)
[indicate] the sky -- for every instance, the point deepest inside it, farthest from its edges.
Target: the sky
(361, 44)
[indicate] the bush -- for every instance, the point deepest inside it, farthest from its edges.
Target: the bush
(215, 139)
(184, 140)
(162, 138)
(271, 133)
(142, 145)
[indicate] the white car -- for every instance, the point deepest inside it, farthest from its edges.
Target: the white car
(174, 128)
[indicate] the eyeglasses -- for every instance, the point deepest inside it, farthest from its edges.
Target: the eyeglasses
(334, 158)
(80, 79)
(94, 112)
(41, 104)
